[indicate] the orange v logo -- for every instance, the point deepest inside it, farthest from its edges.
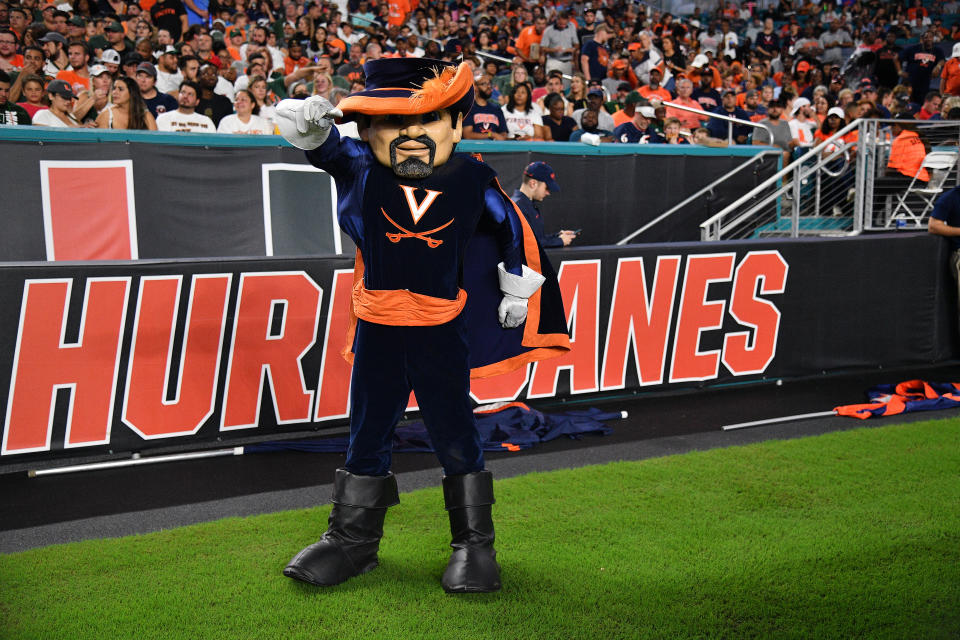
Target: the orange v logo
(417, 210)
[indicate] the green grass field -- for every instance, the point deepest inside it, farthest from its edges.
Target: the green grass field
(852, 534)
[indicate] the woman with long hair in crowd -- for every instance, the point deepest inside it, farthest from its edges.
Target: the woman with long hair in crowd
(518, 75)
(821, 105)
(246, 118)
(61, 104)
(33, 95)
(577, 95)
(318, 43)
(265, 99)
(322, 84)
(128, 110)
(524, 121)
(305, 30)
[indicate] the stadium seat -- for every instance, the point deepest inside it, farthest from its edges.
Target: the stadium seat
(917, 201)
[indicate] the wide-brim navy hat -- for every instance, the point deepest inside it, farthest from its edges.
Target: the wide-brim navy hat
(408, 86)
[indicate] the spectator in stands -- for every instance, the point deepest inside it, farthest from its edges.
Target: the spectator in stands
(524, 121)
(777, 132)
(528, 43)
(266, 99)
(505, 84)
(537, 183)
(10, 113)
(718, 128)
(630, 104)
(169, 76)
(184, 118)
(560, 43)
(638, 130)
(671, 132)
(211, 104)
(485, 120)
(33, 94)
(128, 110)
(245, 119)
(595, 103)
(590, 130)
(54, 50)
(560, 125)
(920, 62)
(61, 105)
(930, 107)
(10, 60)
(554, 87)
(703, 138)
(594, 56)
(802, 123)
(688, 120)
(156, 102)
(653, 90)
(708, 97)
(577, 95)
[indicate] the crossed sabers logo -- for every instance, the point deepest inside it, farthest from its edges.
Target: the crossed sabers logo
(417, 211)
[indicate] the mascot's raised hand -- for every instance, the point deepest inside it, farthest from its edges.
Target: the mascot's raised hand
(306, 123)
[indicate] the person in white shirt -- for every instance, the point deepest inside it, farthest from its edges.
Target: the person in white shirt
(245, 120)
(168, 73)
(803, 124)
(185, 118)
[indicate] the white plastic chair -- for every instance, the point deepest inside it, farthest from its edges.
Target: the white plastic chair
(938, 164)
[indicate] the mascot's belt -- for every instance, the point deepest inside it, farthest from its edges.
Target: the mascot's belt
(400, 307)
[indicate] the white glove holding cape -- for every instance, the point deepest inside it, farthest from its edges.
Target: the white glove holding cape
(512, 311)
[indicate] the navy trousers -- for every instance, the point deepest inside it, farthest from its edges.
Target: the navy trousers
(389, 361)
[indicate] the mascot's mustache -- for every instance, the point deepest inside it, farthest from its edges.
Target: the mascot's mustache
(412, 167)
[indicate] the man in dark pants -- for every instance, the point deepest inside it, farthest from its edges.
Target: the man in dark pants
(539, 181)
(412, 206)
(945, 221)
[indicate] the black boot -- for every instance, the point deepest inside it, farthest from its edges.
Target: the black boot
(473, 566)
(349, 547)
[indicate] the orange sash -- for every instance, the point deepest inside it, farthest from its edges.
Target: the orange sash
(404, 308)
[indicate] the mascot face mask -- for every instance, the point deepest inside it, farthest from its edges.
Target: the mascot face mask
(412, 112)
(412, 145)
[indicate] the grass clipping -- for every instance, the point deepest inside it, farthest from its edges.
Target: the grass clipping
(852, 534)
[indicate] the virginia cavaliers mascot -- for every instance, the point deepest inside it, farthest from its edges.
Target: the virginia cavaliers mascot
(449, 283)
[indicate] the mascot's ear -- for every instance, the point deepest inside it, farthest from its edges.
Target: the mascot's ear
(363, 127)
(458, 130)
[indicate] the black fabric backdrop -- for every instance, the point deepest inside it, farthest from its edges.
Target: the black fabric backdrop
(867, 302)
(198, 202)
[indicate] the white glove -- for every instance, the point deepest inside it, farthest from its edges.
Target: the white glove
(512, 311)
(306, 123)
(590, 138)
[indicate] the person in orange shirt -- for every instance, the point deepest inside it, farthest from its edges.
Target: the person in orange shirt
(294, 59)
(398, 12)
(950, 76)
(10, 60)
(906, 162)
(77, 75)
(688, 120)
(654, 91)
(528, 42)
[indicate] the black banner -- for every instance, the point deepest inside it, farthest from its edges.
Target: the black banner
(119, 200)
(109, 357)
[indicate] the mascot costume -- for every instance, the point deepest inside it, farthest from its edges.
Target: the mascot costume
(449, 284)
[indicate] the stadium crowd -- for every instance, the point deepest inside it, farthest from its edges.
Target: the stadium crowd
(562, 70)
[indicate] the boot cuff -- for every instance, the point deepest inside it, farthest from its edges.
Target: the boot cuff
(468, 490)
(368, 492)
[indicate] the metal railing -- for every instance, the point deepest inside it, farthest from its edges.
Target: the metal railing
(818, 185)
(840, 188)
(730, 120)
(707, 191)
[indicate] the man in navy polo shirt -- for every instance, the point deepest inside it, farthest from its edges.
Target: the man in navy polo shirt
(539, 181)
(485, 120)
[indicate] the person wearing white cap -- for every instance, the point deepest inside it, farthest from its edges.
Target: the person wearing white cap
(111, 60)
(638, 130)
(90, 103)
(950, 76)
(802, 123)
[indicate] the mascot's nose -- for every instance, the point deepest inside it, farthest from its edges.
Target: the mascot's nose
(413, 129)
